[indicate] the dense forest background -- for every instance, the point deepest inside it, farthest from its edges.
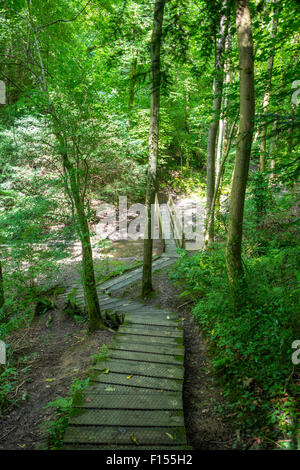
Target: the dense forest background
(74, 131)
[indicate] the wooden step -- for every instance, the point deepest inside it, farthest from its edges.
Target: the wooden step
(141, 368)
(125, 436)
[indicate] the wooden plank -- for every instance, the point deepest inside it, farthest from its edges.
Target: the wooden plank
(137, 309)
(147, 310)
(126, 418)
(127, 281)
(132, 274)
(152, 320)
(122, 306)
(149, 401)
(150, 331)
(119, 343)
(146, 339)
(120, 436)
(146, 357)
(115, 389)
(129, 447)
(139, 381)
(141, 368)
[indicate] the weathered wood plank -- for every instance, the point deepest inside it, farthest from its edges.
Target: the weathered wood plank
(152, 320)
(142, 368)
(149, 401)
(117, 388)
(151, 331)
(119, 343)
(139, 381)
(145, 357)
(120, 436)
(133, 274)
(126, 418)
(138, 309)
(129, 447)
(146, 339)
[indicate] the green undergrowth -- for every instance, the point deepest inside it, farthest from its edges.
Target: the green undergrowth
(251, 351)
(22, 305)
(183, 181)
(108, 268)
(64, 408)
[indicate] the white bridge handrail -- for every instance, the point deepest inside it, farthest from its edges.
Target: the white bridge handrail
(176, 217)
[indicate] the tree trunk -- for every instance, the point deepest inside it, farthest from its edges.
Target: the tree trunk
(213, 128)
(153, 140)
(222, 164)
(132, 83)
(223, 146)
(291, 131)
(89, 282)
(2, 299)
(273, 148)
(240, 175)
(266, 101)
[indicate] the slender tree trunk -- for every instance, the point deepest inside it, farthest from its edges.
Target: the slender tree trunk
(132, 83)
(240, 174)
(153, 140)
(223, 126)
(89, 283)
(291, 131)
(222, 164)
(2, 299)
(214, 125)
(273, 147)
(266, 100)
(223, 140)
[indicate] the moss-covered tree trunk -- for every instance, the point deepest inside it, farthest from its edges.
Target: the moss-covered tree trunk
(153, 140)
(89, 282)
(214, 125)
(1, 287)
(240, 174)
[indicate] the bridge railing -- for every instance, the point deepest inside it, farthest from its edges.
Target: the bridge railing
(176, 218)
(158, 219)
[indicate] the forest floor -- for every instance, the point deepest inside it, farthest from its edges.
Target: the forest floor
(55, 349)
(48, 357)
(51, 354)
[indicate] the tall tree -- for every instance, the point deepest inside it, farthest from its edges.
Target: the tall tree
(155, 76)
(266, 99)
(1, 287)
(214, 125)
(240, 175)
(68, 135)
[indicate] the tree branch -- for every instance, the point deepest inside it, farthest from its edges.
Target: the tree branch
(62, 20)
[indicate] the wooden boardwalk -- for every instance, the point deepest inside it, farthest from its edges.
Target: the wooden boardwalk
(134, 400)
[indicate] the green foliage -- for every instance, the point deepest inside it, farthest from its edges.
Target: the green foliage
(251, 350)
(63, 410)
(99, 357)
(72, 308)
(184, 181)
(109, 268)
(8, 382)
(260, 193)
